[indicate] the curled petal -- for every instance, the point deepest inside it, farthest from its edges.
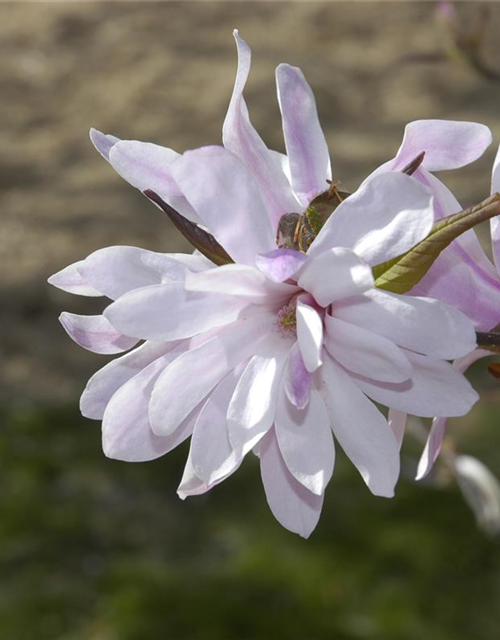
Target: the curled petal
(309, 334)
(69, 279)
(103, 142)
(95, 333)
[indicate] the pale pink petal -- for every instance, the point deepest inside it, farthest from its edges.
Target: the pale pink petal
(401, 318)
(103, 142)
(434, 442)
(212, 455)
(397, 422)
(309, 334)
(386, 217)
(436, 388)
(126, 431)
(149, 166)
(305, 441)
(242, 281)
(240, 137)
(305, 142)
(335, 274)
(365, 352)
(169, 312)
(70, 280)
(190, 484)
(117, 270)
(297, 379)
(495, 222)
(295, 508)
(103, 384)
(361, 430)
(192, 376)
(281, 264)
(252, 407)
(95, 333)
(448, 144)
(226, 197)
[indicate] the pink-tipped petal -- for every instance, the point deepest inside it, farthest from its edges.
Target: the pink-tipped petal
(240, 137)
(305, 142)
(228, 200)
(293, 506)
(335, 274)
(96, 334)
(280, 264)
(386, 217)
(361, 430)
(297, 379)
(305, 441)
(69, 279)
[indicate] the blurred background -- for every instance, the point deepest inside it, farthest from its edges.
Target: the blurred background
(94, 549)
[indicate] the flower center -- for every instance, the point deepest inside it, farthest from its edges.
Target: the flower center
(286, 320)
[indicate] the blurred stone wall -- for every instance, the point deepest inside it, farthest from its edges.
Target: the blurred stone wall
(163, 72)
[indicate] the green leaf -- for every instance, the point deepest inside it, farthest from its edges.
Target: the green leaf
(401, 274)
(198, 237)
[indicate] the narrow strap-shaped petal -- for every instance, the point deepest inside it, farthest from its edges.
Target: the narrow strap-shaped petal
(169, 312)
(252, 408)
(103, 142)
(226, 197)
(309, 334)
(294, 507)
(384, 218)
(105, 382)
(70, 279)
(305, 441)
(240, 137)
(192, 376)
(305, 142)
(420, 324)
(434, 442)
(335, 274)
(96, 334)
(436, 388)
(126, 431)
(361, 430)
(366, 352)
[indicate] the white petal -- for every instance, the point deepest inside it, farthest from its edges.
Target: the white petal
(495, 222)
(305, 142)
(386, 217)
(309, 335)
(69, 279)
(435, 388)
(126, 431)
(169, 312)
(193, 375)
(252, 408)
(365, 352)
(361, 430)
(420, 324)
(240, 137)
(335, 274)
(297, 379)
(296, 508)
(103, 384)
(397, 422)
(227, 199)
(95, 333)
(103, 142)
(305, 441)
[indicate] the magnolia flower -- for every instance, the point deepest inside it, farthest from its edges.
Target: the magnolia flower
(281, 351)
